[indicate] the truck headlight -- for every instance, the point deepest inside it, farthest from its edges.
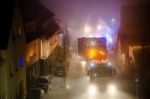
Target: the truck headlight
(109, 64)
(91, 65)
(112, 89)
(92, 89)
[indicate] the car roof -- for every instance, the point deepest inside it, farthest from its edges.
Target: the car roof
(61, 67)
(35, 89)
(45, 77)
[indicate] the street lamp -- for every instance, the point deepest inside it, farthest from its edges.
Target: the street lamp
(87, 29)
(113, 21)
(99, 27)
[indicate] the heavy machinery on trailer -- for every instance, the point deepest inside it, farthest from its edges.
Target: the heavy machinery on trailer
(93, 49)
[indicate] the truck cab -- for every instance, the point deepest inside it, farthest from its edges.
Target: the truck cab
(102, 77)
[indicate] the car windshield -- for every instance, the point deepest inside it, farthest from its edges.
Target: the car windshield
(102, 72)
(42, 80)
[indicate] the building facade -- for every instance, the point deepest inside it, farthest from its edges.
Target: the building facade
(134, 45)
(134, 30)
(13, 66)
(41, 38)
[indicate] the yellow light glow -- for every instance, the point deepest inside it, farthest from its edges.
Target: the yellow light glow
(91, 53)
(87, 29)
(101, 52)
(96, 54)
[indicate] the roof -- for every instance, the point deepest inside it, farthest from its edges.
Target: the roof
(50, 28)
(136, 35)
(5, 21)
(135, 24)
(32, 10)
(135, 15)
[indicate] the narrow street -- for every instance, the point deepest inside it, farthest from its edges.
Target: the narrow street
(76, 85)
(75, 49)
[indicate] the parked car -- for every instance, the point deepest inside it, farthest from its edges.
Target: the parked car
(43, 86)
(35, 93)
(44, 79)
(43, 82)
(48, 77)
(60, 71)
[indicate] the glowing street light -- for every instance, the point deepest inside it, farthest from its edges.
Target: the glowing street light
(67, 86)
(99, 27)
(112, 20)
(137, 87)
(87, 29)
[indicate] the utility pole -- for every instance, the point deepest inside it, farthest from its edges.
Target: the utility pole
(52, 64)
(137, 87)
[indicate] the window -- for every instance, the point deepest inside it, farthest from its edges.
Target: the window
(1, 60)
(33, 26)
(30, 26)
(19, 32)
(27, 28)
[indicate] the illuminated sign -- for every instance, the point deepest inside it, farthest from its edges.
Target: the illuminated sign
(21, 61)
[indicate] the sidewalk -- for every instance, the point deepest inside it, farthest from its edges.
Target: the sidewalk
(127, 83)
(58, 82)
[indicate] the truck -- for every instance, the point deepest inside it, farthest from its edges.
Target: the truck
(93, 51)
(98, 66)
(102, 79)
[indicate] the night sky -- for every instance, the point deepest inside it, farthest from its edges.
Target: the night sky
(76, 13)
